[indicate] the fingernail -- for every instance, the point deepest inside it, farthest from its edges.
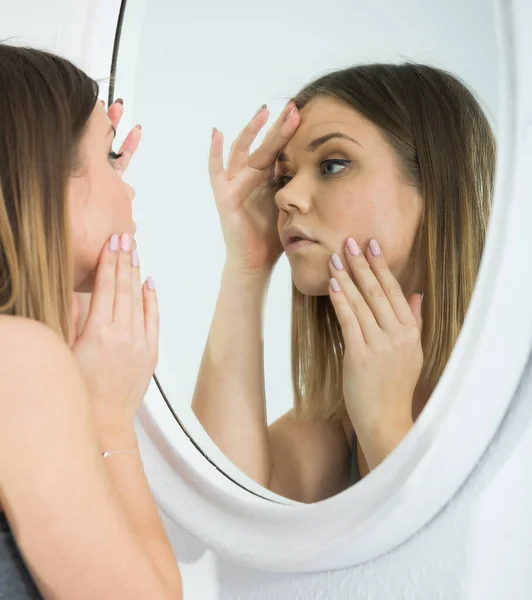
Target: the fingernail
(114, 243)
(125, 242)
(150, 282)
(374, 248)
(335, 285)
(352, 247)
(261, 109)
(291, 113)
(337, 263)
(135, 258)
(119, 100)
(139, 126)
(214, 130)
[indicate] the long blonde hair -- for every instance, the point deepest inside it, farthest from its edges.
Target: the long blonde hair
(45, 105)
(445, 147)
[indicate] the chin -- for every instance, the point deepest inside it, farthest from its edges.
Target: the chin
(311, 284)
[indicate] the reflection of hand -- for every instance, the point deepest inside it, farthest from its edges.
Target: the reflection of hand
(383, 355)
(118, 347)
(244, 197)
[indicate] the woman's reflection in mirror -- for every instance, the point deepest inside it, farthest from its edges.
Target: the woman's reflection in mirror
(376, 181)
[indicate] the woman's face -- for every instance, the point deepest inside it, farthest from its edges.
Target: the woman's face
(100, 201)
(338, 177)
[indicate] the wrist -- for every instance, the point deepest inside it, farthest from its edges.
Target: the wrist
(255, 277)
(116, 435)
(380, 439)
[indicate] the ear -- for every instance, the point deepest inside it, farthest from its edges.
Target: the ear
(415, 302)
(75, 320)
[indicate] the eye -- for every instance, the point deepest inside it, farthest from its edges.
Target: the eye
(114, 156)
(333, 166)
(280, 181)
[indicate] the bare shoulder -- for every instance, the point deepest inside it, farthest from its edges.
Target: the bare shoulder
(33, 358)
(311, 457)
(21, 333)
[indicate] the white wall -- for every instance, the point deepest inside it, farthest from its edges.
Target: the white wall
(477, 549)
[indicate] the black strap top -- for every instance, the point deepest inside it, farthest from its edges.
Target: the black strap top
(15, 580)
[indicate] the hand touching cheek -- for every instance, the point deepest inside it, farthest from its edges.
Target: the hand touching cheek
(383, 355)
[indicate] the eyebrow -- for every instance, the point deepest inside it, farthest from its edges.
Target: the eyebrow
(320, 141)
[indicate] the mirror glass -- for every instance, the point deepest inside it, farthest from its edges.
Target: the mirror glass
(209, 64)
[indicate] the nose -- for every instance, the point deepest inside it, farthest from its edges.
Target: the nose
(295, 196)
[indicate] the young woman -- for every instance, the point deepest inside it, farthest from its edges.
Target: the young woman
(77, 519)
(376, 181)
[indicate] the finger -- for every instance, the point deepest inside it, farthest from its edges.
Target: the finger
(369, 286)
(115, 112)
(138, 302)
(151, 318)
(389, 284)
(129, 147)
(239, 153)
(217, 172)
(276, 138)
(351, 330)
(415, 302)
(123, 310)
(103, 295)
(368, 324)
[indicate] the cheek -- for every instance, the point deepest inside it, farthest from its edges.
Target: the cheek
(105, 210)
(371, 210)
(113, 210)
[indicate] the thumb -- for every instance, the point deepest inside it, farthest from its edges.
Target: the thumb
(75, 320)
(415, 302)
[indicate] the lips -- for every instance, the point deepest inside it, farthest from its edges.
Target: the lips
(295, 235)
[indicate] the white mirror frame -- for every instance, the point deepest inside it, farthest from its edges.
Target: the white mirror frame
(415, 482)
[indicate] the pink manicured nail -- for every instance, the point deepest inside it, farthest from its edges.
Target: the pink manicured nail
(374, 248)
(150, 282)
(135, 258)
(114, 243)
(335, 285)
(353, 247)
(125, 242)
(337, 263)
(291, 113)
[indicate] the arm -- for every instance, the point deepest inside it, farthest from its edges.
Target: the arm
(229, 395)
(77, 535)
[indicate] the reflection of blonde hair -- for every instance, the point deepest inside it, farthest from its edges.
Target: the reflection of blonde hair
(447, 150)
(45, 105)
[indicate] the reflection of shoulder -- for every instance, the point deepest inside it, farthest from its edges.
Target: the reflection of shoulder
(33, 360)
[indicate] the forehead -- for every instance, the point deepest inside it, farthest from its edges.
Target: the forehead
(99, 123)
(323, 115)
